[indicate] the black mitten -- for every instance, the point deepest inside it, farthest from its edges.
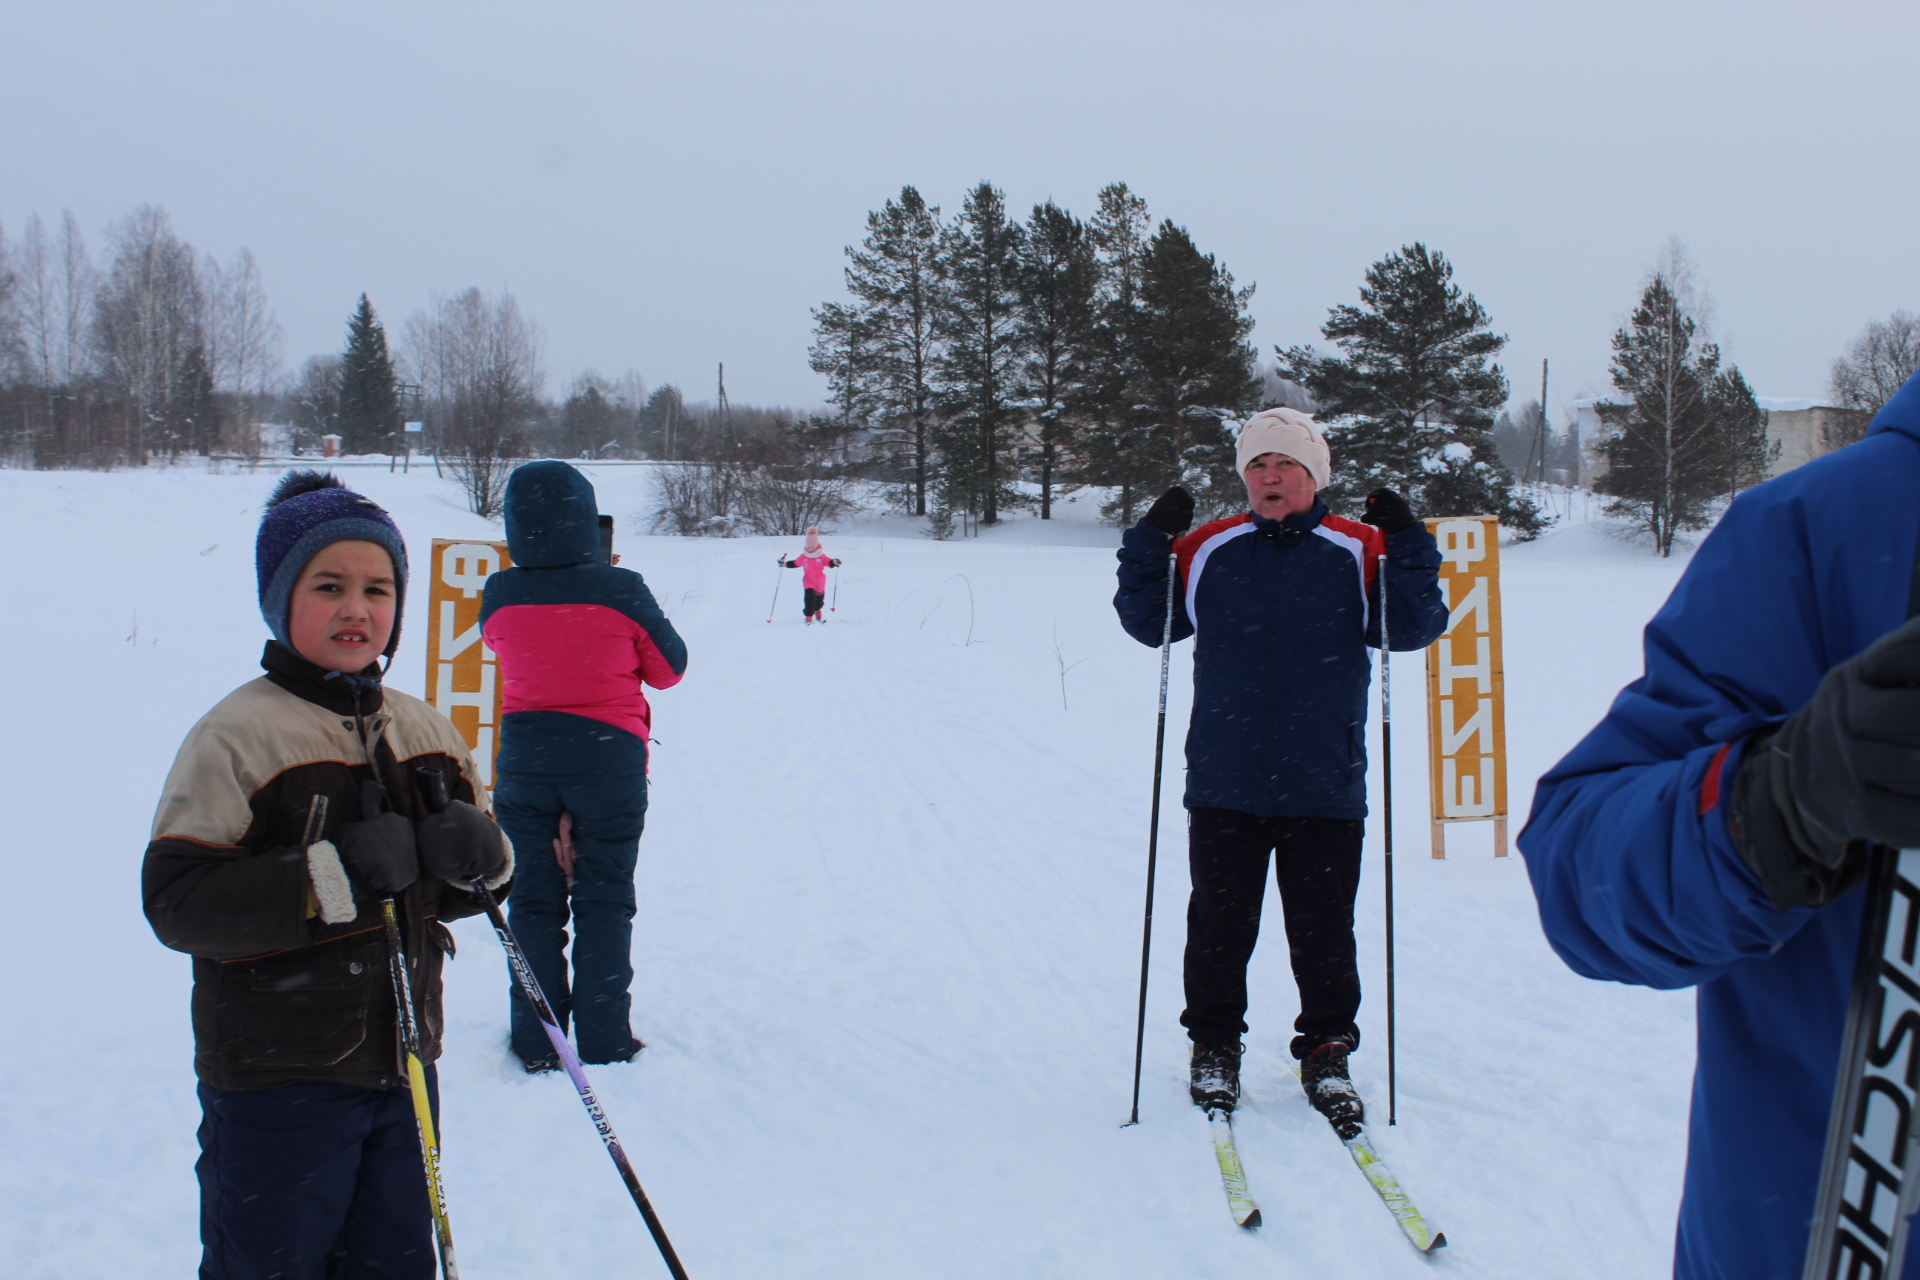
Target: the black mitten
(1841, 772)
(459, 843)
(380, 851)
(1388, 512)
(1172, 512)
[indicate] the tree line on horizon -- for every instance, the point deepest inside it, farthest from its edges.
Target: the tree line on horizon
(971, 354)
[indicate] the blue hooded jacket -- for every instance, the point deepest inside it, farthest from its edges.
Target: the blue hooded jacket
(1638, 881)
(577, 639)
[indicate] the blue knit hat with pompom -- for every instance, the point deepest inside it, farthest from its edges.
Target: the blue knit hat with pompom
(310, 510)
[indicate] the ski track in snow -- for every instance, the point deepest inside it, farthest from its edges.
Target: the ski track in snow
(888, 934)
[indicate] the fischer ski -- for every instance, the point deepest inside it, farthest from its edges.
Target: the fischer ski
(1412, 1222)
(1234, 1178)
(1870, 1177)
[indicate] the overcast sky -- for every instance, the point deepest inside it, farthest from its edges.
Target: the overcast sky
(666, 187)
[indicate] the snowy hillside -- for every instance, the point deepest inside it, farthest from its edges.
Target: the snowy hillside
(887, 940)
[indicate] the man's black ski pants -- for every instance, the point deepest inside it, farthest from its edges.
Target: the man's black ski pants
(1317, 864)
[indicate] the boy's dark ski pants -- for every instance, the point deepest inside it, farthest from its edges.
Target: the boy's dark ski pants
(314, 1182)
(608, 811)
(1317, 864)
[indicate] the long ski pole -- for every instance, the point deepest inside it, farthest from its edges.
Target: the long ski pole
(1874, 1152)
(417, 1085)
(776, 588)
(410, 1042)
(372, 800)
(1386, 796)
(436, 791)
(530, 988)
(1153, 834)
(835, 606)
(1870, 1176)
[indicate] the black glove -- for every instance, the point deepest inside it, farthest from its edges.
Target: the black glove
(833, 564)
(1172, 512)
(1839, 773)
(379, 850)
(459, 843)
(1388, 512)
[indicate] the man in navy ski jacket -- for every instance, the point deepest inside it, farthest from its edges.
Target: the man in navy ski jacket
(1282, 602)
(1711, 830)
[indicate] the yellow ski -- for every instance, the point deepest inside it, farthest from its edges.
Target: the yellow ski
(1245, 1212)
(1422, 1237)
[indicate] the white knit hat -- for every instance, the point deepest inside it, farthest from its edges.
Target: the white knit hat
(1289, 433)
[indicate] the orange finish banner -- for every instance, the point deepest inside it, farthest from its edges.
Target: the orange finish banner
(463, 677)
(1466, 682)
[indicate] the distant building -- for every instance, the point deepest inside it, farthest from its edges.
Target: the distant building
(1801, 426)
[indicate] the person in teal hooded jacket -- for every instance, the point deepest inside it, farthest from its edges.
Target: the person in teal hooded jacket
(576, 641)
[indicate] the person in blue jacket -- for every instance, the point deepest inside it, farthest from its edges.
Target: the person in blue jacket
(1711, 830)
(1282, 602)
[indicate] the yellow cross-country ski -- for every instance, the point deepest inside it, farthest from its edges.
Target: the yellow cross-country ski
(1245, 1212)
(1387, 1187)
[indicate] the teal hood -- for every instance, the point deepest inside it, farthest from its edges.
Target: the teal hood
(552, 519)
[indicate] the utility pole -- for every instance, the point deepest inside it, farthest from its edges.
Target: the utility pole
(726, 417)
(1543, 420)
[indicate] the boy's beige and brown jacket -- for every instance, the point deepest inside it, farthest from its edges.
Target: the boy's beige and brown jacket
(290, 971)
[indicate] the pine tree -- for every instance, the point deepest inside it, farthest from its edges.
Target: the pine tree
(1058, 277)
(880, 353)
(663, 422)
(1117, 441)
(1411, 404)
(1683, 432)
(843, 351)
(587, 422)
(193, 413)
(976, 376)
(1193, 369)
(369, 412)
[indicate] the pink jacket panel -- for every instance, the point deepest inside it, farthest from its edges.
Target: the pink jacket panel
(583, 659)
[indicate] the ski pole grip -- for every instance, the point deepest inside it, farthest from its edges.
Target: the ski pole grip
(433, 784)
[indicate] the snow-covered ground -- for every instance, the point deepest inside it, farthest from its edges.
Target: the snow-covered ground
(888, 934)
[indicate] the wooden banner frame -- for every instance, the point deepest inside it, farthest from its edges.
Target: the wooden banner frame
(463, 676)
(1467, 755)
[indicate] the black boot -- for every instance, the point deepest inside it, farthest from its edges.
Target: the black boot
(1215, 1080)
(1323, 1074)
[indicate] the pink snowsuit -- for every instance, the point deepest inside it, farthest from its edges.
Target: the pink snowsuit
(813, 569)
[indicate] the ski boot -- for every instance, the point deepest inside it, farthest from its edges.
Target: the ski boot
(1215, 1076)
(1323, 1074)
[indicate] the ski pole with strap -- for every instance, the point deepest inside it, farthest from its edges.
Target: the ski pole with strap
(776, 588)
(1153, 829)
(372, 799)
(436, 791)
(1386, 796)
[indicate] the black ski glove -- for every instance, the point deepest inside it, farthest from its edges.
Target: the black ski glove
(379, 850)
(1839, 773)
(1172, 512)
(833, 564)
(459, 843)
(1389, 512)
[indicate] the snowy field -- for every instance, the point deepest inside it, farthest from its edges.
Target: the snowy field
(888, 934)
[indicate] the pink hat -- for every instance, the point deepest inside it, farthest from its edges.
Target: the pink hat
(813, 538)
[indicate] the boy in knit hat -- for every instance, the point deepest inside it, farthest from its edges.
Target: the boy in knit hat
(294, 807)
(1282, 602)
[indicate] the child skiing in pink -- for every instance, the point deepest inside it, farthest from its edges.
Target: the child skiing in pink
(814, 562)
